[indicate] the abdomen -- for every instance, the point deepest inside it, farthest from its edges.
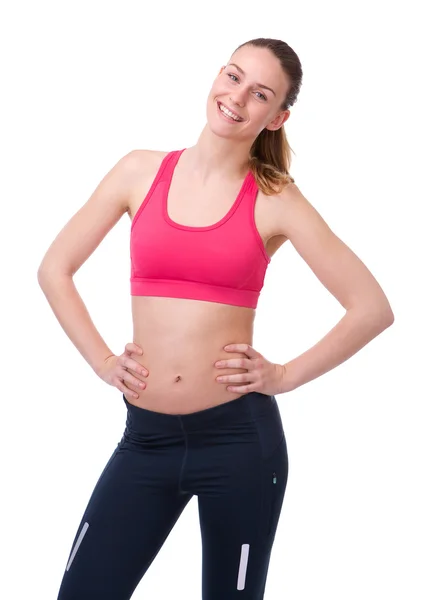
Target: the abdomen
(181, 341)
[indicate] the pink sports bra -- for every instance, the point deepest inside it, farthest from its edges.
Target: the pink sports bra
(225, 262)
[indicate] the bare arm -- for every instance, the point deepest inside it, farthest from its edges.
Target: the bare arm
(73, 246)
(346, 277)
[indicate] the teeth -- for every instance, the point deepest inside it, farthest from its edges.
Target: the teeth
(229, 113)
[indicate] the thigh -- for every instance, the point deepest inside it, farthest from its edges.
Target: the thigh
(238, 527)
(131, 511)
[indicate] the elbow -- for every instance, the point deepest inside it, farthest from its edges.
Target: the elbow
(386, 314)
(47, 276)
(380, 317)
(42, 277)
(387, 319)
(390, 319)
(376, 316)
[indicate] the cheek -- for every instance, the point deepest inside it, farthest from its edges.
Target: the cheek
(217, 90)
(214, 92)
(262, 118)
(211, 102)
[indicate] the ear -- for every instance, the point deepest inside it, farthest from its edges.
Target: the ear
(278, 121)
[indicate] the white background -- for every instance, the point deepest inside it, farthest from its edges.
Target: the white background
(84, 83)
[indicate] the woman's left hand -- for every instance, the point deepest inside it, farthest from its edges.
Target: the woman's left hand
(262, 376)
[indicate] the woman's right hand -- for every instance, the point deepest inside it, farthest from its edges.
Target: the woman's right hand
(115, 371)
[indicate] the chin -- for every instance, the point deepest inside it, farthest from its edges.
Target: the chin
(217, 131)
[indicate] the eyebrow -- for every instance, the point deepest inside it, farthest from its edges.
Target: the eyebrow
(260, 85)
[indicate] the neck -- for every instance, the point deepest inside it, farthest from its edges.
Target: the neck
(216, 157)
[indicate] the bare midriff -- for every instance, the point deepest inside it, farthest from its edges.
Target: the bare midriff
(181, 341)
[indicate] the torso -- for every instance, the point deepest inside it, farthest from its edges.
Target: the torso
(182, 338)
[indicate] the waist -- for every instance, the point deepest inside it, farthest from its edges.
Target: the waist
(181, 341)
(246, 409)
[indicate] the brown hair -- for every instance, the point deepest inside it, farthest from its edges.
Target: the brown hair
(270, 154)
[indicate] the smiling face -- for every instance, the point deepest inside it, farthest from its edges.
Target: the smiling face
(252, 86)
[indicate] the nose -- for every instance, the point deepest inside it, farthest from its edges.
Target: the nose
(238, 97)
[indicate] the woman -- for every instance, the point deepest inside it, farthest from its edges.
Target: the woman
(201, 240)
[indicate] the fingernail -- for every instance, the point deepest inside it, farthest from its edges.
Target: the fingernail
(144, 373)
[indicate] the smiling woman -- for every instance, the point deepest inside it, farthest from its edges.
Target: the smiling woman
(202, 417)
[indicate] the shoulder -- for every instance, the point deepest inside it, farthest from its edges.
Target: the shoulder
(278, 209)
(293, 213)
(142, 166)
(289, 195)
(143, 160)
(139, 166)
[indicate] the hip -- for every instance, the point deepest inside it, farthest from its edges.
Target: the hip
(250, 423)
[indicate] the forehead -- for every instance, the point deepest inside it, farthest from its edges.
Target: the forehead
(260, 65)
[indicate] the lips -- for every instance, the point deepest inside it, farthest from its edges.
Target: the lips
(227, 107)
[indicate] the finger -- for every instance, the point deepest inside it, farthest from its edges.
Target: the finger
(130, 363)
(131, 348)
(245, 348)
(126, 391)
(242, 389)
(239, 377)
(131, 380)
(236, 363)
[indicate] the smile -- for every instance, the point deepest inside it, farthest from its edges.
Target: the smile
(228, 113)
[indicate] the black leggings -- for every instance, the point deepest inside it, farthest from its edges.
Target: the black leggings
(233, 457)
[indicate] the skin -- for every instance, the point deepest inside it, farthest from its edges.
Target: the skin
(181, 340)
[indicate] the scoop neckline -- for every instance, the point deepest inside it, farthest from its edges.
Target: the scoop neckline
(225, 218)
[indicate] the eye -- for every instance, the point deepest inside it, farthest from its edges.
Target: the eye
(261, 95)
(232, 75)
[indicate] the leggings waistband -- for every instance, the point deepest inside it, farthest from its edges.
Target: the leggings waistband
(246, 408)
